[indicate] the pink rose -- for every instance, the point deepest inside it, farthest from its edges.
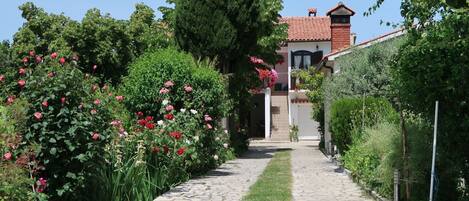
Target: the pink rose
(22, 71)
(95, 136)
(62, 100)
(41, 185)
(38, 116)
(207, 118)
(119, 98)
(21, 83)
(256, 60)
(168, 84)
(38, 59)
(93, 111)
(188, 88)
(32, 53)
(2, 78)
(45, 104)
(53, 55)
(62, 61)
(164, 90)
(7, 156)
(25, 60)
(10, 100)
(169, 108)
(95, 67)
(209, 126)
(97, 102)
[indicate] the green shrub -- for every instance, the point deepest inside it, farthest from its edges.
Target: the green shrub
(148, 75)
(347, 118)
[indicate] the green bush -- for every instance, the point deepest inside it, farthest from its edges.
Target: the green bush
(347, 117)
(148, 75)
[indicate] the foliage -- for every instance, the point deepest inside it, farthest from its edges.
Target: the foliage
(349, 116)
(99, 40)
(294, 133)
(432, 66)
(64, 127)
(5, 55)
(365, 71)
(228, 30)
(167, 68)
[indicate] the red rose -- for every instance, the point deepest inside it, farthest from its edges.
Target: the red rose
(142, 122)
(25, 60)
(45, 104)
(95, 136)
(21, 83)
(2, 78)
(165, 149)
(22, 71)
(139, 114)
(176, 135)
(155, 150)
(181, 151)
(149, 118)
(169, 116)
(53, 55)
(97, 102)
(62, 61)
(7, 156)
(150, 126)
(32, 53)
(38, 116)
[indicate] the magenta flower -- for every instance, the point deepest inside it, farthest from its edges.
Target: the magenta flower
(168, 84)
(45, 104)
(62, 61)
(62, 100)
(54, 55)
(41, 185)
(21, 83)
(95, 136)
(95, 67)
(164, 90)
(7, 156)
(22, 71)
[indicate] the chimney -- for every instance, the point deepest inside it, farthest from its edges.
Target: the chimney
(340, 26)
(312, 12)
(353, 38)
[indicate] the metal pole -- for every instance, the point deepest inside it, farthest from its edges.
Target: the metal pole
(396, 185)
(434, 152)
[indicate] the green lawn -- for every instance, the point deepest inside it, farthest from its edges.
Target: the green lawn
(275, 183)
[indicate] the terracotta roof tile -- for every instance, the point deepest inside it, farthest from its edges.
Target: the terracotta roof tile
(308, 28)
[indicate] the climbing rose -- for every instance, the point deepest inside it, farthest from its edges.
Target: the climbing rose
(181, 151)
(168, 84)
(209, 126)
(38, 116)
(25, 60)
(119, 98)
(150, 126)
(164, 90)
(256, 60)
(53, 55)
(2, 78)
(45, 104)
(139, 114)
(32, 53)
(97, 102)
(50, 74)
(188, 88)
(149, 118)
(176, 135)
(94, 111)
(155, 150)
(21, 83)
(7, 156)
(207, 118)
(38, 59)
(62, 100)
(41, 185)
(95, 136)
(142, 122)
(169, 116)
(62, 61)
(169, 108)
(165, 149)
(22, 71)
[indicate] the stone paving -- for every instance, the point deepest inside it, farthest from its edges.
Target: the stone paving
(231, 181)
(315, 178)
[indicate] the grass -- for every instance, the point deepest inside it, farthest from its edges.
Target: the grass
(275, 183)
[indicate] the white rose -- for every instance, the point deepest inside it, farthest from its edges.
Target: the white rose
(183, 110)
(165, 102)
(215, 157)
(225, 145)
(160, 122)
(226, 131)
(194, 111)
(217, 139)
(196, 138)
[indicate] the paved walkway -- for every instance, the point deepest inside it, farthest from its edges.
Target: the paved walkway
(314, 177)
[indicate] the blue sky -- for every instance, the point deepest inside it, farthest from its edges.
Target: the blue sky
(365, 27)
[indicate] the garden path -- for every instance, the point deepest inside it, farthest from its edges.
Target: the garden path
(314, 177)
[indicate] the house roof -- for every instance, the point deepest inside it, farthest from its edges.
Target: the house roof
(340, 9)
(308, 28)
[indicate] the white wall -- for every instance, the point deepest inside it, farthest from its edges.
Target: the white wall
(301, 116)
(324, 46)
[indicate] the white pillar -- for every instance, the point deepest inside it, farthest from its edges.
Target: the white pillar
(267, 112)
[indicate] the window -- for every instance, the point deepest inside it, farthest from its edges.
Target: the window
(304, 59)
